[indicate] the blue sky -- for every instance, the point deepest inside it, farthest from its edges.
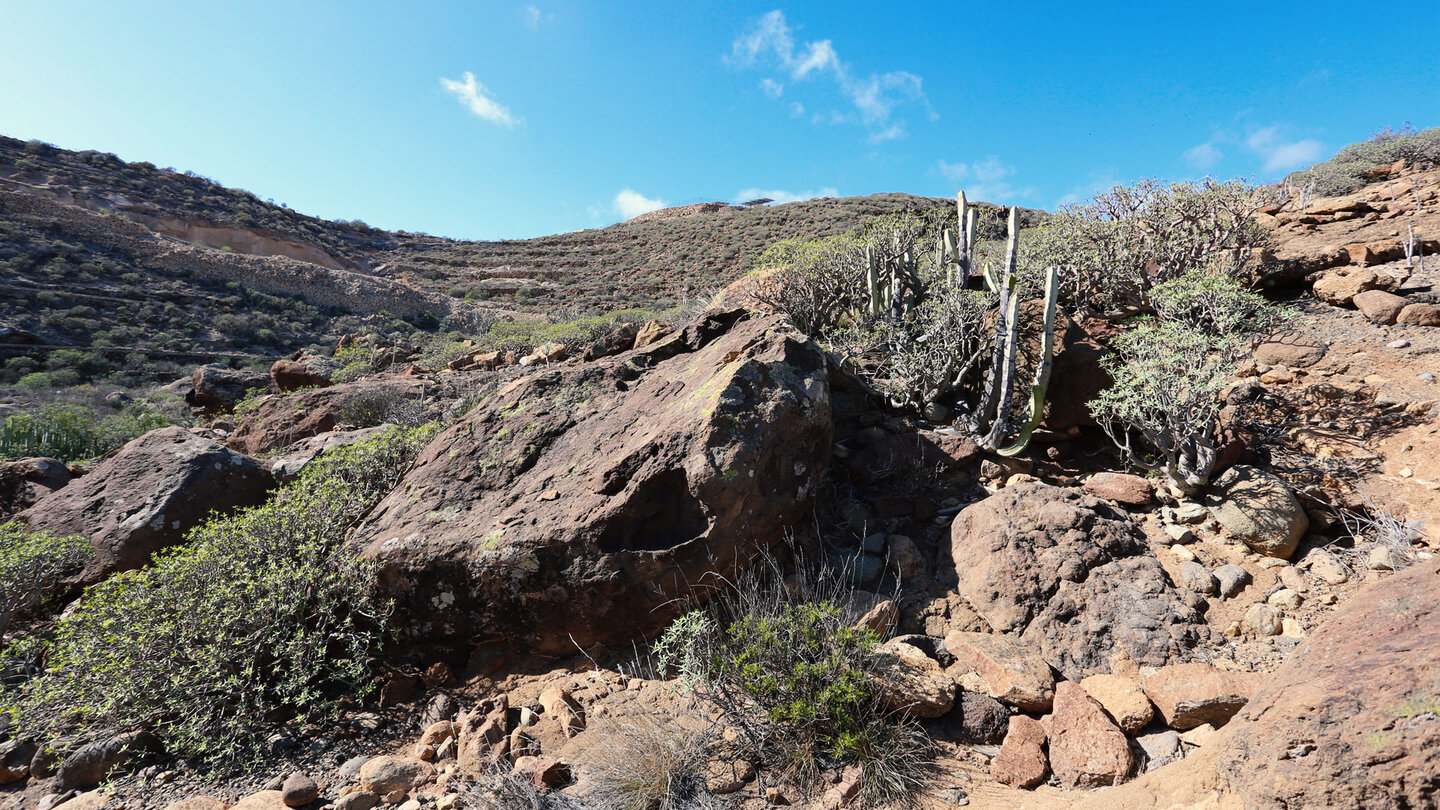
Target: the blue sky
(514, 119)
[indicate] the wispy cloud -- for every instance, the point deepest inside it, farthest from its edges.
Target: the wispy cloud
(768, 43)
(631, 203)
(986, 180)
(782, 196)
(1203, 156)
(1281, 154)
(473, 95)
(533, 17)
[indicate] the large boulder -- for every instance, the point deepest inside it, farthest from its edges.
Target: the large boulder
(1352, 718)
(27, 480)
(1259, 509)
(572, 506)
(280, 420)
(1195, 694)
(1340, 286)
(92, 764)
(302, 371)
(1087, 749)
(1071, 575)
(216, 388)
(148, 495)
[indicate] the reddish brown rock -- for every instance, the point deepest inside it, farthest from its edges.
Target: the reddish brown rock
(1419, 315)
(1072, 576)
(1021, 762)
(281, 421)
(574, 505)
(1189, 695)
(1290, 350)
(1379, 306)
(543, 771)
(911, 682)
(216, 388)
(1087, 750)
(147, 496)
(651, 333)
(1013, 670)
(27, 480)
(1123, 698)
(289, 375)
(1352, 718)
(1131, 490)
(386, 774)
(1078, 372)
(1338, 287)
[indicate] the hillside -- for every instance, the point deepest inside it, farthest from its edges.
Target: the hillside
(144, 269)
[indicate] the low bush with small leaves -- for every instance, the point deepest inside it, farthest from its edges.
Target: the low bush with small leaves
(260, 615)
(1347, 171)
(789, 669)
(33, 567)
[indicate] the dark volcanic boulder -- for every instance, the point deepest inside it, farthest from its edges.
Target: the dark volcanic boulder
(1071, 575)
(216, 388)
(573, 505)
(1352, 718)
(148, 495)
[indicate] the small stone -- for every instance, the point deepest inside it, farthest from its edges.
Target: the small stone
(1122, 698)
(1185, 554)
(1290, 627)
(1262, 620)
(1021, 762)
(384, 775)
(1383, 558)
(1284, 599)
(351, 768)
(773, 795)
(1327, 567)
(1179, 533)
(299, 789)
(1190, 513)
(1131, 490)
(1232, 579)
(1160, 747)
(1398, 344)
(360, 800)
(905, 557)
(1294, 579)
(1194, 577)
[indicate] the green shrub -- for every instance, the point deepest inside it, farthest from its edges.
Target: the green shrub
(261, 615)
(73, 432)
(1346, 172)
(32, 568)
(788, 668)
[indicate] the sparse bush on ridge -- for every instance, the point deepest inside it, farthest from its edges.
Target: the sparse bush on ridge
(260, 614)
(33, 566)
(1346, 171)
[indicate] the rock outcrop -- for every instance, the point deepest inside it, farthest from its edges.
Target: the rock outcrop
(573, 505)
(216, 388)
(1072, 576)
(148, 495)
(1352, 718)
(282, 420)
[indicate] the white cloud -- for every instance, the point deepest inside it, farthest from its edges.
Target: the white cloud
(1282, 155)
(1203, 156)
(772, 88)
(769, 43)
(781, 196)
(797, 109)
(630, 203)
(983, 180)
(473, 94)
(533, 17)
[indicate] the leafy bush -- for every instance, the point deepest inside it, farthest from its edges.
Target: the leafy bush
(788, 668)
(1346, 172)
(33, 566)
(1116, 248)
(1168, 372)
(261, 614)
(73, 432)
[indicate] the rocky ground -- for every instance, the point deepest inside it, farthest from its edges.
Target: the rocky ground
(1069, 634)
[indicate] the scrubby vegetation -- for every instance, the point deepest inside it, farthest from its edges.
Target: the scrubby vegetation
(74, 432)
(261, 615)
(33, 566)
(788, 668)
(1347, 170)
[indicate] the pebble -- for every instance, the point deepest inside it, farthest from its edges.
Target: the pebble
(1179, 533)
(1183, 553)
(1398, 344)
(1426, 377)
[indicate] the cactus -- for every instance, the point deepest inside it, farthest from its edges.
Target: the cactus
(991, 420)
